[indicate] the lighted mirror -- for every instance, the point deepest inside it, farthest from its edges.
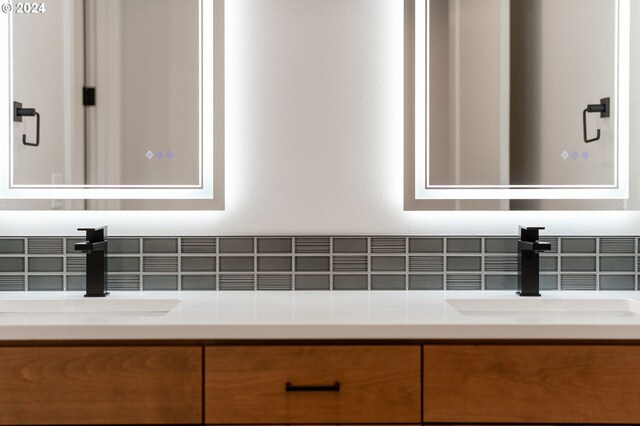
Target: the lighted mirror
(521, 99)
(107, 99)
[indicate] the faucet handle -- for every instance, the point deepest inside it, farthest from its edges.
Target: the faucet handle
(530, 233)
(95, 234)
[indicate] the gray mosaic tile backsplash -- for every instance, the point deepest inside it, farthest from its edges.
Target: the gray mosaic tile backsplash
(319, 263)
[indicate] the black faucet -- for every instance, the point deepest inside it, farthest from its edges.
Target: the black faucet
(529, 260)
(96, 249)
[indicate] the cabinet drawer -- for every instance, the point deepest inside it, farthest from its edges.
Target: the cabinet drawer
(531, 384)
(377, 384)
(103, 385)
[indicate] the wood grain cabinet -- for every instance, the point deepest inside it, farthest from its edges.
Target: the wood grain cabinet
(544, 384)
(221, 384)
(312, 384)
(100, 385)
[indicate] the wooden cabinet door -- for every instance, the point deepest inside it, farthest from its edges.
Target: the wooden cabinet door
(100, 385)
(532, 384)
(349, 384)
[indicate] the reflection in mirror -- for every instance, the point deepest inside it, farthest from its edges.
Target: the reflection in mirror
(108, 99)
(521, 100)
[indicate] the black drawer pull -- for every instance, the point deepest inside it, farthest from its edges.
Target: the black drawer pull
(330, 388)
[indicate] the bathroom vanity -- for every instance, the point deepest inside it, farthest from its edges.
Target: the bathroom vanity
(317, 358)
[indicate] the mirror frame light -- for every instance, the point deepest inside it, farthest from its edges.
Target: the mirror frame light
(423, 191)
(202, 191)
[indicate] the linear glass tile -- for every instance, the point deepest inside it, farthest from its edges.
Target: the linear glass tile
(236, 245)
(45, 246)
(617, 263)
(274, 264)
(11, 246)
(121, 282)
(501, 245)
(275, 282)
(464, 263)
(198, 282)
(578, 282)
(464, 282)
(464, 245)
(198, 245)
(236, 264)
(615, 245)
(70, 244)
(617, 282)
(11, 264)
(160, 282)
(46, 264)
(160, 264)
(124, 245)
(12, 282)
(388, 245)
(388, 263)
(76, 283)
(350, 282)
(388, 282)
(426, 245)
(76, 263)
(426, 282)
(45, 283)
(501, 263)
(313, 244)
(198, 264)
(350, 263)
(314, 272)
(274, 245)
(312, 263)
(548, 264)
(313, 282)
(426, 263)
(123, 264)
(578, 264)
(160, 245)
(548, 282)
(578, 245)
(349, 245)
(237, 282)
(501, 282)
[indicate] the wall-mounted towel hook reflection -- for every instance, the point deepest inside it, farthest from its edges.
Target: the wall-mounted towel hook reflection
(18, 113)
(603, 108)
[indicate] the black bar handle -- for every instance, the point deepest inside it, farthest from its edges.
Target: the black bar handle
(603, 108)
(327, 388)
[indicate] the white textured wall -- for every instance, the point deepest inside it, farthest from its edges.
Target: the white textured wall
(314, 131)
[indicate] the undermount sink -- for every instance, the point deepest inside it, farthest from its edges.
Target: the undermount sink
(87, 305)
(542, 305)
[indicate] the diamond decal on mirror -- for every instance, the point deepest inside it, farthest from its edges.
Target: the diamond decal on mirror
(149, 155)
(575, 155)
(564, 155)
(159, 154)
(169, 155)
(585, 155)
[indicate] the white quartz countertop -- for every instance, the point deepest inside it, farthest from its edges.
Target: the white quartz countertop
(317, 315)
